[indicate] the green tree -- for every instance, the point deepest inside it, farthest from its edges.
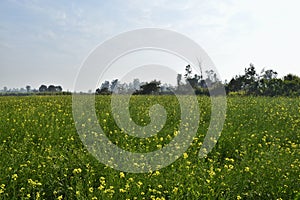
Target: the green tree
(250, 84)
(28, 88)
(150, 88)
(291, 85)
(43, 88)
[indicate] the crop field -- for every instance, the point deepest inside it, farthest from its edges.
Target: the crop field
(256, 157)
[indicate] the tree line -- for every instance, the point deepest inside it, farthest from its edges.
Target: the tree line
(42, 90)
(265, 83)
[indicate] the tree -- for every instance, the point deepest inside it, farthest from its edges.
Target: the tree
(28, 88)
(247, 82)
(193, 81)
(212, 78)
(113, 85)
(43, 88)
(136, 84)
(105, 85)
(268, 84)
(291, 85)
(51, 88)
(58, 88)
(188, 72)
(104, 89)
(235, 84)
(149, 88)
(269, 74)
(250, 84)
(271, 87)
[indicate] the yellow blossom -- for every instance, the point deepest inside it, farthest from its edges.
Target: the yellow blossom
(101, 187)
(122, 175)
(122, 190)
(175, 189)
(185, 155)
(77, 171)
(15, 176)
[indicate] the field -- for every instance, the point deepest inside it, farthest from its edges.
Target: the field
(256, 157)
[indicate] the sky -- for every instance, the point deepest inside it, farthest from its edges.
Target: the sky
(46, 42)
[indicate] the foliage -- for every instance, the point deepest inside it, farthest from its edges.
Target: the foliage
(50, 88)
(264, 84)
(149, 88)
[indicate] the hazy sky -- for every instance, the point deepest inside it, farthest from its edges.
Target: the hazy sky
(45, 42)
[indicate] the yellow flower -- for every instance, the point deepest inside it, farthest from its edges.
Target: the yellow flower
(102, 180)
(139, 184)
(91, 190)
(130, 179)
(101, 187)
(122, 175)
(60, 197)
(238, 197)
(122, 190)
(30, 181)
(156, 173)
(294, 145)
(15, 176)
(247, 169)
(175, 190)
(38, 195)
(185, 155)
(77, 171)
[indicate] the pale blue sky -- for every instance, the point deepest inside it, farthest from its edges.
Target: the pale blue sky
(45, 42)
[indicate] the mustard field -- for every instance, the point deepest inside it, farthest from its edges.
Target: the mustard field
(256, 157)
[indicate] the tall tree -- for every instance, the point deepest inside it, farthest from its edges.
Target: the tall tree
(114, 84)
(28, 88)
(136, 84)
(250, 80)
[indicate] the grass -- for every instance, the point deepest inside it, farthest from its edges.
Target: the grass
(256, 157)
